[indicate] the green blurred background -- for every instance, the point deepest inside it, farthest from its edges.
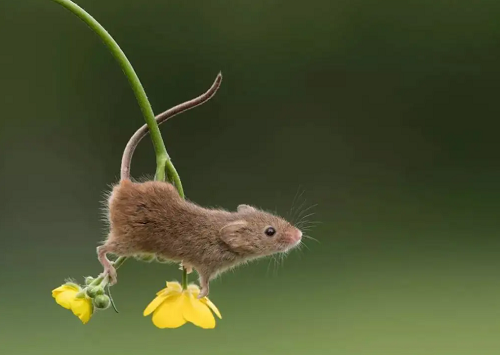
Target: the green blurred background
(384, 112)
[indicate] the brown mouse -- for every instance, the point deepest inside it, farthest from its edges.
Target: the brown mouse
(152, 218)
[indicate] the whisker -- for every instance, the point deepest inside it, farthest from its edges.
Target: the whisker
(306, 209)
(303, 245)
(311, 238)
(295, 199)
(269, 264)
(282, 259)
(305, 225)
(312, 222)
(305, 230)
(295, 216)
(276, 267)
(306, 216)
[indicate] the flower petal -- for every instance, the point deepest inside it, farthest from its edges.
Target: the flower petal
(194, 290)
(169, 313)
(172, 289)
(174, 286)
(63, 288)
(212, 306)
(65, 298)
(162, 296)
(197, 312)
(82, 308)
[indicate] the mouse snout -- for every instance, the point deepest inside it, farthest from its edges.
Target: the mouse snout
(294, 236)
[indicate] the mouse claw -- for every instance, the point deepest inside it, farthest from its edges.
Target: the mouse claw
(204, 290)
(113, 278)
(203, 293)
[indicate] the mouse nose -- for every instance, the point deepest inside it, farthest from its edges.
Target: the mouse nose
(295, 236)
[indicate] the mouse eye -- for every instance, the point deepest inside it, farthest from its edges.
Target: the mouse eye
(270, 231)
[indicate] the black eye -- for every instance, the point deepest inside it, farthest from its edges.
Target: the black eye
(270, 231)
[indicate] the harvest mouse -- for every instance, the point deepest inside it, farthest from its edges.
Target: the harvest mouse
(152, 218)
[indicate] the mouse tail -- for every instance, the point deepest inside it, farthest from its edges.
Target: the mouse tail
(162, 117)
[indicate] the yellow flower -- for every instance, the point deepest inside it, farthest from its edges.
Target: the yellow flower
(173, 307)
(65, 296)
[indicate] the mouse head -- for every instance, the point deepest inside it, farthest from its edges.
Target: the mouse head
(258, 233)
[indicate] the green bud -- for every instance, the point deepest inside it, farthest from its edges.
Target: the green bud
(145, 257)
(101, 301)
(89, 280)
(94, 291)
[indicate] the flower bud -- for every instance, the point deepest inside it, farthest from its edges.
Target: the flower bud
(94, 291)
(89, 280)
(101, 301)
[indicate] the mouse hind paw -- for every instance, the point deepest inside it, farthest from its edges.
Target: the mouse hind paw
(109, 269)
(205, 287)
(111, 274)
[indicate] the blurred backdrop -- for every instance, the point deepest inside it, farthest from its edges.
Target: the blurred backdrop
(385, 113)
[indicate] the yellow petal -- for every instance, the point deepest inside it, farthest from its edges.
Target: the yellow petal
(63, 288)
(169, 313)
(162, 295)
(82, 308)
(197, 312)
(174, 286)
(212, 306)
(194, 289)
(65, 298)
(57, 291)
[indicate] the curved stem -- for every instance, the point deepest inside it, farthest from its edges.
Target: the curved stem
(162, 157)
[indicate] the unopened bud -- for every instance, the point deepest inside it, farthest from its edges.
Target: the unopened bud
(89, 280)
(95, 291)
(101, 302)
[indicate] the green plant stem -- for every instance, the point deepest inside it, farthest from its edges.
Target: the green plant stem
(163, 161)
(184, 278)
(159, 146)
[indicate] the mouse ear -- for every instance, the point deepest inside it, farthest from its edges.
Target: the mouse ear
(230, 235)
(243, 208)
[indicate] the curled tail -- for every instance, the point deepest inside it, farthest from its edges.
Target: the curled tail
(162, 117)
